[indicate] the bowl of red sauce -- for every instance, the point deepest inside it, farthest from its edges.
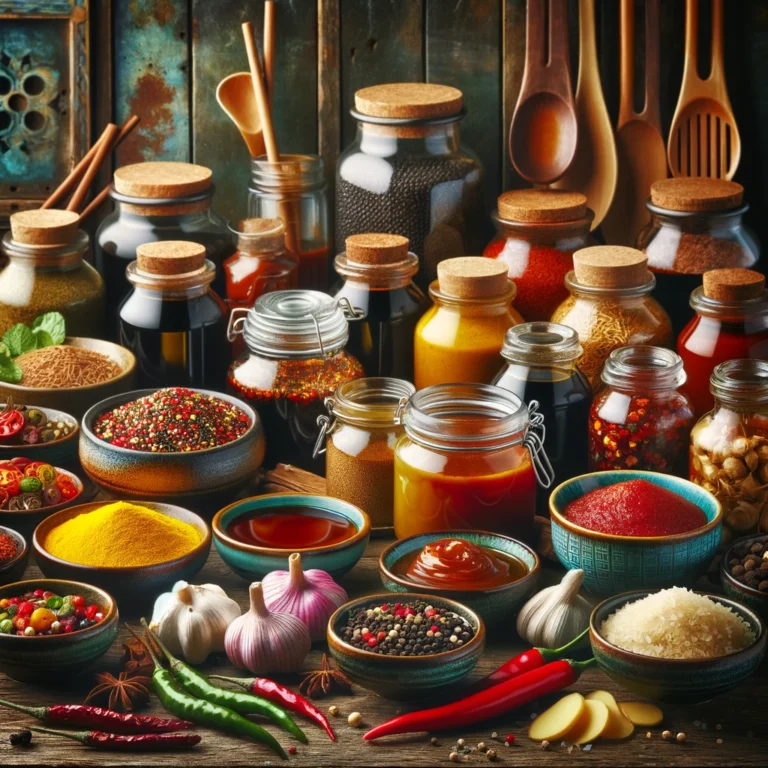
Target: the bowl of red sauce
(491, 573)
(634, 530)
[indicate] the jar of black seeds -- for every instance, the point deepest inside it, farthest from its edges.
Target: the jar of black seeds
(406, 173)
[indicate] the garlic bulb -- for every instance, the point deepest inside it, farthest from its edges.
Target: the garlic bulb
(311, 595)
(191, 620)
(266, 642)
(556, 615)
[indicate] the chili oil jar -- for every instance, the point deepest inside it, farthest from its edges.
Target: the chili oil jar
(295, 191)
(611, 306)
(361, 430)
(469, 459)
(696, 225)
(541, 367)
(172, 320)
(537, 232)
(407, 172)
(377, 272)
(640, 419)
(295, 358)
(154, 202)
(460, 337)
(729, 446)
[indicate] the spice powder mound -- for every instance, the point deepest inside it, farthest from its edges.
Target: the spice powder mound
(65, 366)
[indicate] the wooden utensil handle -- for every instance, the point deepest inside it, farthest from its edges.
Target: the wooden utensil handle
(535, 35)
(260, 92)
(690, 72)
(626, 61)
(269, 49)
(652, 84)
(718, 69)
(588, 66)
(558, 33)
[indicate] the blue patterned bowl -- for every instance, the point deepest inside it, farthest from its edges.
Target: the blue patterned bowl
(493, 605)
(738, 590)
(614, 564)
(679, 681)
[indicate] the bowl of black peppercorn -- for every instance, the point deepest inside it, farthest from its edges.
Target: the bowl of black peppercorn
(744, 572)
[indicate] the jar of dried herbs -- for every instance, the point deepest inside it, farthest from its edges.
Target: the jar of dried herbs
(729, 446)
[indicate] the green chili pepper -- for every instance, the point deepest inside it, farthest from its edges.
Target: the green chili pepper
(197, 684)
(66, 608)
(13, 610)
(6, 625)
(55, 602)
(30, 485)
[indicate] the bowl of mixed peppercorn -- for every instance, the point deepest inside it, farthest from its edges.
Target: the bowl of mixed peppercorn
(744, 572)
(406, 650)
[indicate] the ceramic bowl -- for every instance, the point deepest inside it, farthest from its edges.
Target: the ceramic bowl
(130, 584)
(679, 681)
(61, 452)
(254, 562)
(199, 479)
(737, 590)
(405, 678)
(614, 564)
(55, 659)
(493, 604)
(13, 569)
(77, 400)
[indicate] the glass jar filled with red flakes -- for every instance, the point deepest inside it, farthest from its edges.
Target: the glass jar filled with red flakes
(639, 417)
(538, 231)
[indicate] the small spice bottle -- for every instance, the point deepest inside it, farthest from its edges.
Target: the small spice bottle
(610, 305)
(362, 427)
(377, 272)
(172, 320)
(461, 335)
(541, 367)
(731, 323)
(538, 231)
(696, 225)
(729, 446)
(639, 418)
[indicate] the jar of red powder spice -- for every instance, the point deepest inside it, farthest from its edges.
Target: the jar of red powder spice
(538, 231)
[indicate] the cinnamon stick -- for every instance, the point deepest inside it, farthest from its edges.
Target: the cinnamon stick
(260, 91)
(103, 148)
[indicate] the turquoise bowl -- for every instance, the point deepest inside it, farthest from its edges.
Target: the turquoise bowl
(254, 562)
(737, 590)
(614, 564)
(678, 681)
(55, 659)
(406, 678)
(494, 604)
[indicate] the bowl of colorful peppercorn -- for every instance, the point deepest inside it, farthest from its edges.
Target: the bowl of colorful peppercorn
(41, 434)
(52, 630)
(419, 647)
(14, 554)
(744, 573)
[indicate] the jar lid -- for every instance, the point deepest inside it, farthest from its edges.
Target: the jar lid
(610, 266)
(540, 343)
(733, 285)
(162, 180)
(541, 206)
(44, 226)
(472, 277)
(409, 100)
(696, 194)
(644, 366)
(741, 382)
(376, 248)
(170, 257)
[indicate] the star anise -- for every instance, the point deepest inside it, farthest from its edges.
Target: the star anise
(325, 680)
(123, 693)
(136, 658)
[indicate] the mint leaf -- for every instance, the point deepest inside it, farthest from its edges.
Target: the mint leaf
(19, 340)
(9, 371)
(53, 323)
(43, 338)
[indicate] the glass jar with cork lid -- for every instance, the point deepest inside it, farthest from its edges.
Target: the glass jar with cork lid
(377, 272)
(611, 306)
(172, 320)
(407, 172)
(460, 337)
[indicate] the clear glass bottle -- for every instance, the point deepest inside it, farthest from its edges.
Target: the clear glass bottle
(295, 191)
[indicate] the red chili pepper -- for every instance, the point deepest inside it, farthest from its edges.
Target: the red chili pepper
(138, 742)
(492, 702)
(279, 694)
(11, 423)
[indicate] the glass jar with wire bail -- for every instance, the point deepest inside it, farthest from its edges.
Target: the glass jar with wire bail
(295, 357)
(470, 458)
(363, 424)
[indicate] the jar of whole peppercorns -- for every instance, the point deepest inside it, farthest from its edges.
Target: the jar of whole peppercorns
(639, 418)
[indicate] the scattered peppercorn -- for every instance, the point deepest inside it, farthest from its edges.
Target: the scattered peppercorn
(355, 719)
(509, 739)
(333, 710)
(434, 742)
(461, 743)
(291, 750)
(544, 744)
(454, 757)
(21, 738)
(648, 735)
(750, 564)
(491, 754)
(719, 741)
(481, 747)
(680, 736)
(666, 735)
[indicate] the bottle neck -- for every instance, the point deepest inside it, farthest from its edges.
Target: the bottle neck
(491, 305)
(162, 210)
(386, 140)
(63, 257)
(379, 276)
(720, 310)
(699, 221)
(293, 174)
(563, 235)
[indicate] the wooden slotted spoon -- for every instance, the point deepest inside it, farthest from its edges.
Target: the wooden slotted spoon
(704, 139)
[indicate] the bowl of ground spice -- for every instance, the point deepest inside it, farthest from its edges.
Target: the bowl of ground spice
(14, 555)
(744, 573)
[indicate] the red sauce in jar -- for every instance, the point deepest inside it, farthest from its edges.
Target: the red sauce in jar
(635, 508)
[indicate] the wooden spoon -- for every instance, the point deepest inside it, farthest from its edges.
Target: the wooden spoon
(236, 97)
(642, 154)
(595, 167)
(704, 139)
(543, 132)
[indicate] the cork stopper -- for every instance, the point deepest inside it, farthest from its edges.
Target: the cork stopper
(44, 226)
(162, 180)
(376, 248)
(696, 194)
(542, 206)
(472, 277)
(733, 285)
(409, 100)
(172, 257)
(610, 266)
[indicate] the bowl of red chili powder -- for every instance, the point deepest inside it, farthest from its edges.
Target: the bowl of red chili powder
(634, 530)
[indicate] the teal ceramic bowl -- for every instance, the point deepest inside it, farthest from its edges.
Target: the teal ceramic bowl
(406, 678)
(58, 659)
(254, 562)
(678, 681)
(493, 604)
(614, 564)
(13, 569)
(738, 590)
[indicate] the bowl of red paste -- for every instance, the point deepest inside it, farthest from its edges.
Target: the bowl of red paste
(634, 530)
